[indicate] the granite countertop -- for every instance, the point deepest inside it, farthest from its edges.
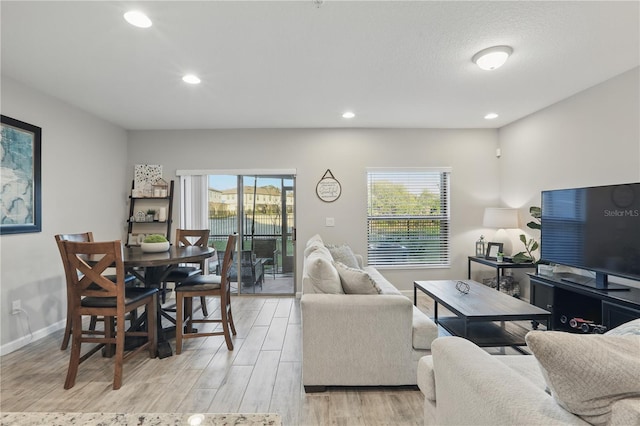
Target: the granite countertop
(138, 419)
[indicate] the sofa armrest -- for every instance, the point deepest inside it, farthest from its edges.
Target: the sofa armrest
(356, 339)
(472, 387)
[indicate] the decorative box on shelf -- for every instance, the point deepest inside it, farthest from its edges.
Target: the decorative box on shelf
(160, 188)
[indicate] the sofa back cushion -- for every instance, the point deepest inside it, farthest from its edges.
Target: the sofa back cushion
(628, 328)
(344, 255)
(587, 373)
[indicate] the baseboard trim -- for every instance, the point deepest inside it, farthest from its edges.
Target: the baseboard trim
(14, 345)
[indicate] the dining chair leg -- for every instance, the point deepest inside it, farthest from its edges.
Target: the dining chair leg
(117, 374)
(230, 316)
(109, 329)
(179, 321)
(74, 356)
(67, 334)
(188, 314)
(151, 310)
(203, 304)
(225, 328)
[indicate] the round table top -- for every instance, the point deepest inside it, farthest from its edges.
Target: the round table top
(133, 256)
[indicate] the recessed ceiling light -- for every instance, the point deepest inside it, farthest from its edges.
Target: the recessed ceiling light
(137, 19)
(491, 116)
(191, 79)
(492, 58)
(348, 114)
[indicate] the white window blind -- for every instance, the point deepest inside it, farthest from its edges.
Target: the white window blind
(408, 217)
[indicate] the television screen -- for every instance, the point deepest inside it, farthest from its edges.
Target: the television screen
(596, 228)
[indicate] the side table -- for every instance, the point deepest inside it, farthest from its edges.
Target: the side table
(499, 266)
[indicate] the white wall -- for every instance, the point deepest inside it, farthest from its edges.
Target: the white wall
(589, 139)
(84, 188)
(347, 152)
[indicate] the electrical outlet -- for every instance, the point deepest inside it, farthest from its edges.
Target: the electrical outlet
(16, 307)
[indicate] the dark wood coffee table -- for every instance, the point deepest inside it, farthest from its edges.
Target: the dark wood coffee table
(477, 313)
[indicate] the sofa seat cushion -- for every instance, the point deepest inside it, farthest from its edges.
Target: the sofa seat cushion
(424, 330)
(588, 373)
(322, 274)
(356, 281)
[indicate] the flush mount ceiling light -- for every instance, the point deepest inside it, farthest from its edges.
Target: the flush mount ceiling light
(137, 19)
(491, 116)
(191, 79)
(492, 58)
(348, 114)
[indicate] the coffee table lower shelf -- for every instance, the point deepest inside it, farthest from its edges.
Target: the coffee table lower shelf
(483, 333)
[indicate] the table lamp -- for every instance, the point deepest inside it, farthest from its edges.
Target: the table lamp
(500, 218)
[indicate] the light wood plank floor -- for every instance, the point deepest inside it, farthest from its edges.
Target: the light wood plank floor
(262, 374)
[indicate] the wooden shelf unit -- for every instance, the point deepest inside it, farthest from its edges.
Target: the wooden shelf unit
(143, 204)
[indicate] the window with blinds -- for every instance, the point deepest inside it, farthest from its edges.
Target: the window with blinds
(408, 217)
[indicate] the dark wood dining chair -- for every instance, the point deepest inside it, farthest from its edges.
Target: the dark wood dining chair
(185, 238)
(94, 293)
(203, 286)
(85, 237)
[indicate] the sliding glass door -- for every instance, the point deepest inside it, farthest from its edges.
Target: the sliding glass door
(261, 209)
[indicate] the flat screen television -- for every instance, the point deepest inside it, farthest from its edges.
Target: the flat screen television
(595, 228)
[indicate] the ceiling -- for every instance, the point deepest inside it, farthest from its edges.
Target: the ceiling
(301, 64)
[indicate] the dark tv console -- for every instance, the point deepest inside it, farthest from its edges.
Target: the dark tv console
(566, 299)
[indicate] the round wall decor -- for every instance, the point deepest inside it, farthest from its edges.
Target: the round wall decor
(328, 188)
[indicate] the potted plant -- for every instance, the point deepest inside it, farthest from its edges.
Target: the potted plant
(150, 215)
(530, 245)
(154, 243)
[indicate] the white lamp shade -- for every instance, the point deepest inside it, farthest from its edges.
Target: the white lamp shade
(501, 218)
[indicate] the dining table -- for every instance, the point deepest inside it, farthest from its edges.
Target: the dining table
(152, 268)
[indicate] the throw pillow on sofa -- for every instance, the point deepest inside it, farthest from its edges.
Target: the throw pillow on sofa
(323, 274)
(588, 373)
(356, 281)
(344, 255)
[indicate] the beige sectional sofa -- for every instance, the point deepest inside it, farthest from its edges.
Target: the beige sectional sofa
(369, 335)
(588, 379)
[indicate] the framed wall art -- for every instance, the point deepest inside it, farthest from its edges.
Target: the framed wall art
(20, 193)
